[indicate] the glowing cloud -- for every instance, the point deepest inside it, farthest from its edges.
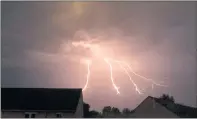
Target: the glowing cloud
(98, 51)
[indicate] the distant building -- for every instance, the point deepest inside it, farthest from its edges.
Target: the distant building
(155, 108)
(41, 103)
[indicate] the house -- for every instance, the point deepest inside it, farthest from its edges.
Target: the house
(41, 103)
(156, 108)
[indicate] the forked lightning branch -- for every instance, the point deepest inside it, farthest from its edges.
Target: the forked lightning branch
(98, 52)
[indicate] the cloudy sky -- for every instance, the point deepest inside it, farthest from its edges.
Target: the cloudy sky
(157, 38)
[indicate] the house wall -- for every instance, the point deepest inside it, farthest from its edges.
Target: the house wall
(151, 109)
(18, 114)
(79, 110)
(12, 114)
(40, 114)
(65, 115)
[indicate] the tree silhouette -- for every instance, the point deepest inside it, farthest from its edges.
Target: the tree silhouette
(109, 111)
(132, 111)
(126, 111)
(167, 98)
(115, 110)
(95, 114)
(88, 113)
(106, 110)
(86, 108)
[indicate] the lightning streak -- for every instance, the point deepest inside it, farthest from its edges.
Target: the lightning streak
(111, 75)
(88, 75)
(97, 52)
(135, 85)
(131, 70)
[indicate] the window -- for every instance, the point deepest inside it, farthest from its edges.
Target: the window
(30, 115)
(59, 115)
(33, 115)
(27, 115)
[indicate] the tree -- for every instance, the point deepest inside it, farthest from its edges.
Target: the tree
(86, 110)
(95, 114)
(132, 111)
(115, 110)
(172, 99)
(125, 111)
(106, 110)
(167, 98)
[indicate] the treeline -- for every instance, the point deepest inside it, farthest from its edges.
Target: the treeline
(106, 111)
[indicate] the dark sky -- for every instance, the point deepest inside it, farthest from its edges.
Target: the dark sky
(158, 36)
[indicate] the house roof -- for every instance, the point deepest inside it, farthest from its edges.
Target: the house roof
(180, 110)
(149, 108)
(40, 99)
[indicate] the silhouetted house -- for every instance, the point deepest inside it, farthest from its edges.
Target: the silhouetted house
(180, 110)
(157, 108)
(41, 103)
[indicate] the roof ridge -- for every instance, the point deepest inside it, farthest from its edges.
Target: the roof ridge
(39, 88)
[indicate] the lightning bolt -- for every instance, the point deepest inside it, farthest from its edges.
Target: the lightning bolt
(135, 85)
(131, 70)
(111, 75)
(88, 75)
(97, 52)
